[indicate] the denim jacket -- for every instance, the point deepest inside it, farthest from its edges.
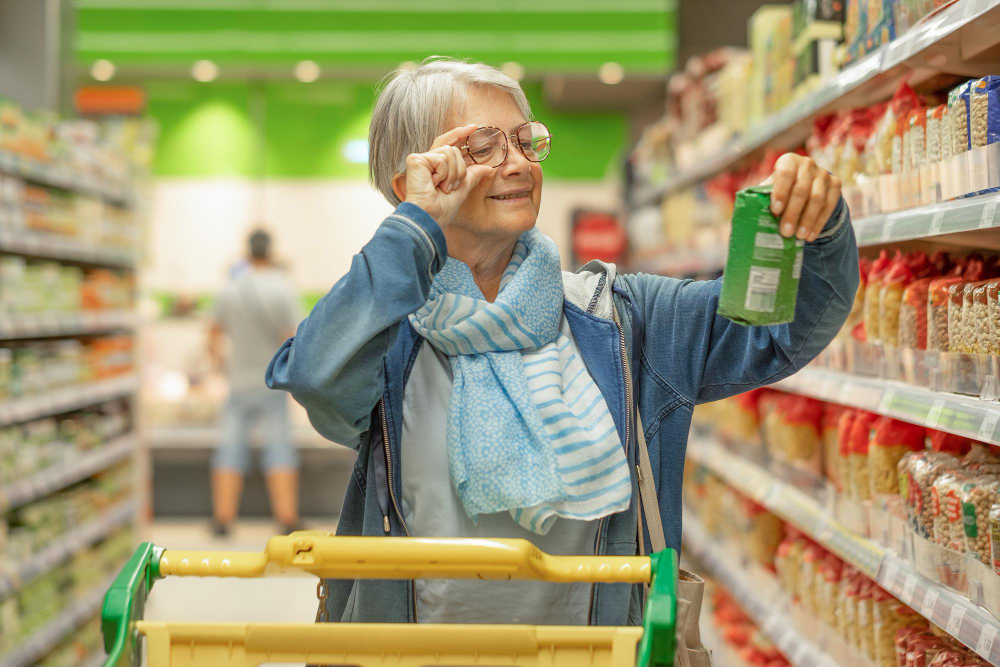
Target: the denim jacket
(350, 360)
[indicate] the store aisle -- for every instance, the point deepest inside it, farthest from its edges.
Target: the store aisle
(284, 600)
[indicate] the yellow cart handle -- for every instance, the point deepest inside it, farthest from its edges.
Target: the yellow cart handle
(323, 555)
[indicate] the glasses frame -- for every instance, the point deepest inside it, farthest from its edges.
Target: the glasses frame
(506, 145)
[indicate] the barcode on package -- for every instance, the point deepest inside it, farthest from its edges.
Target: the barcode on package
(762, 289)
(797, 267)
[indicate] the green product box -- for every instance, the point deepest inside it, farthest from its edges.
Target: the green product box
(761, 280)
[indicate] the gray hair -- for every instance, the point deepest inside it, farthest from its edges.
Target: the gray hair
(412, 108)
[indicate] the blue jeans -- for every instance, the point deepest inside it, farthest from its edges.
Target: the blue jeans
(244, 409)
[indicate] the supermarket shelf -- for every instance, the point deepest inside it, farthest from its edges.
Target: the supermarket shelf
(962, 215)
(769, 617)
(78, 324)
(962, 415)
(932, 45)
(56, 177)
(64, 400)
(51, 246)
(965, 621)
(84, 608)
(77, 539)
(69, 472)
(680, 264)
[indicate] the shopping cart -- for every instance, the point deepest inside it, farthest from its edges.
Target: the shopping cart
(176, 644)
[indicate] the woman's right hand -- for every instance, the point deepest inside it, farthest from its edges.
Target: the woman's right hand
(439, 181)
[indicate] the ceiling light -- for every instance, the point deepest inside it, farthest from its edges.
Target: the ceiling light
(611, 73)
(513, 70)
(205, 71)
(307, 71)
(103, 70)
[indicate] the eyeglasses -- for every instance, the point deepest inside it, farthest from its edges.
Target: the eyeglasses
(488, 145)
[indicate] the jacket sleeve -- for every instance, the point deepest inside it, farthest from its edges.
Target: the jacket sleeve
(705, 357)
(333, 365)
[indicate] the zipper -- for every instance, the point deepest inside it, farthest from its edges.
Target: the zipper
(392, 493)
(628, 425)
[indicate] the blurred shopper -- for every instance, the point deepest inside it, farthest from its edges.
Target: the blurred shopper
(256, 310)
(485, 390)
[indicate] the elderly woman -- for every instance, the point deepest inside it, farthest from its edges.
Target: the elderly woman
(486, 391)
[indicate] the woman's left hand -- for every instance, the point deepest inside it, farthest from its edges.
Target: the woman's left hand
(803, 197)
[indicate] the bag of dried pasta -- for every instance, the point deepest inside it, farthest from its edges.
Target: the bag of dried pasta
(949, 443)
(979, 495)
(946, 509)
(925, 469)
(975, 312)
(742, 423)
(913, 315)
(764, 533)
(844, 423)
(993, 313)
(891, 440)
(885, 626)
(848, 622)
(796, 433)
(894, 282)
(854, 325)
(831, 443)
(858, 441)
(873, 288)
(937, 313)
(866, 618)
(811, 562)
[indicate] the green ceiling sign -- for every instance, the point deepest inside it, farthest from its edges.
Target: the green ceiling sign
(542, 35)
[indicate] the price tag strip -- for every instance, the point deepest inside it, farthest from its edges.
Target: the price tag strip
(989, 212)
(937, 222)
(934, 414)
(989, 426)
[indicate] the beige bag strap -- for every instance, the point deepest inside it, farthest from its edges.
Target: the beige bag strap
(644, 471)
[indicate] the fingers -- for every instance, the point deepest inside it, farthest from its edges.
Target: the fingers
(475, 174)
(798, 197)
(452, 168)
(454, 137)
(809, 219)
(783, 179)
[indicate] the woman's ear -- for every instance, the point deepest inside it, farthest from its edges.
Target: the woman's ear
(399, 185)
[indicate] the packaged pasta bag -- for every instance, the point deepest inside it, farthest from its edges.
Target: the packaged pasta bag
(873, 287)
(855, 323)
(916, 141)
(850, 581)
(913, 315)
(844, 423)
(894, 123)
(902, 637)
(977, 317)
(858, 442)
(949, 657)
(925, 469)
(937, 313)
(742, 423)
(933, 122)
(958, 110)
(891, 440)
(885, 627)
(764, 533)
(956, 327)
(812, 559)
(949, 443)
(946, 503)
(796, 433)
(944, 130)
(866, 617)
(922, 649)
(831, 443)
(894, 283)
(767, 411)
(858, 130)
(979, 495)
(832, 574)
(984, 112)
(995, 538)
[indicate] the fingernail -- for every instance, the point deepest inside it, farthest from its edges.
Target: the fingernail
(802, 234)
(777, 207)
(455, 185)
(787, 229)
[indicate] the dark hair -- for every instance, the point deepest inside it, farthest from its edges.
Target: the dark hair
(260, 245)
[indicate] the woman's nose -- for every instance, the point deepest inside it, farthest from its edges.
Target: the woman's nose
(515, 162)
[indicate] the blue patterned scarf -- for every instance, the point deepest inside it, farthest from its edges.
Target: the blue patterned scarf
(528, 429)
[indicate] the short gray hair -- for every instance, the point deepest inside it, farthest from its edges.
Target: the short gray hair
(412, 108)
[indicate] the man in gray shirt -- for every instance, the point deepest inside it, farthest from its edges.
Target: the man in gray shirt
(257, 310)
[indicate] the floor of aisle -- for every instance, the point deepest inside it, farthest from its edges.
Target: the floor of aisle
(285, 600)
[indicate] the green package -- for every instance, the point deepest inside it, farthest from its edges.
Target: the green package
(761, 280)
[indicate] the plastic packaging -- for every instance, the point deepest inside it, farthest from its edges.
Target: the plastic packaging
(763, 532)
(873, 287)
(913, 315)
(995, 538)
(979, 495)
(866, 618)
(742, 423)
(984, 111)
(850, 580)
(844, 423)
(763, 268)
(858, 454)
(886, 624)
(891, 440)
(894, 283)
(924, 468)
(937, 313)
(977, 318)
(933, 125)
(916, 143)
(831, 444)
(795, 435)
(831, 575)
(956, 326)
(958, 110)
(949, 522)
(812, 560)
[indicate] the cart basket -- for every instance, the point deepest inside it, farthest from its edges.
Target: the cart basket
(174, 644)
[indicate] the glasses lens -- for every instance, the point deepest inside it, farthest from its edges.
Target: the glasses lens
(535, 141)
(487, 146)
